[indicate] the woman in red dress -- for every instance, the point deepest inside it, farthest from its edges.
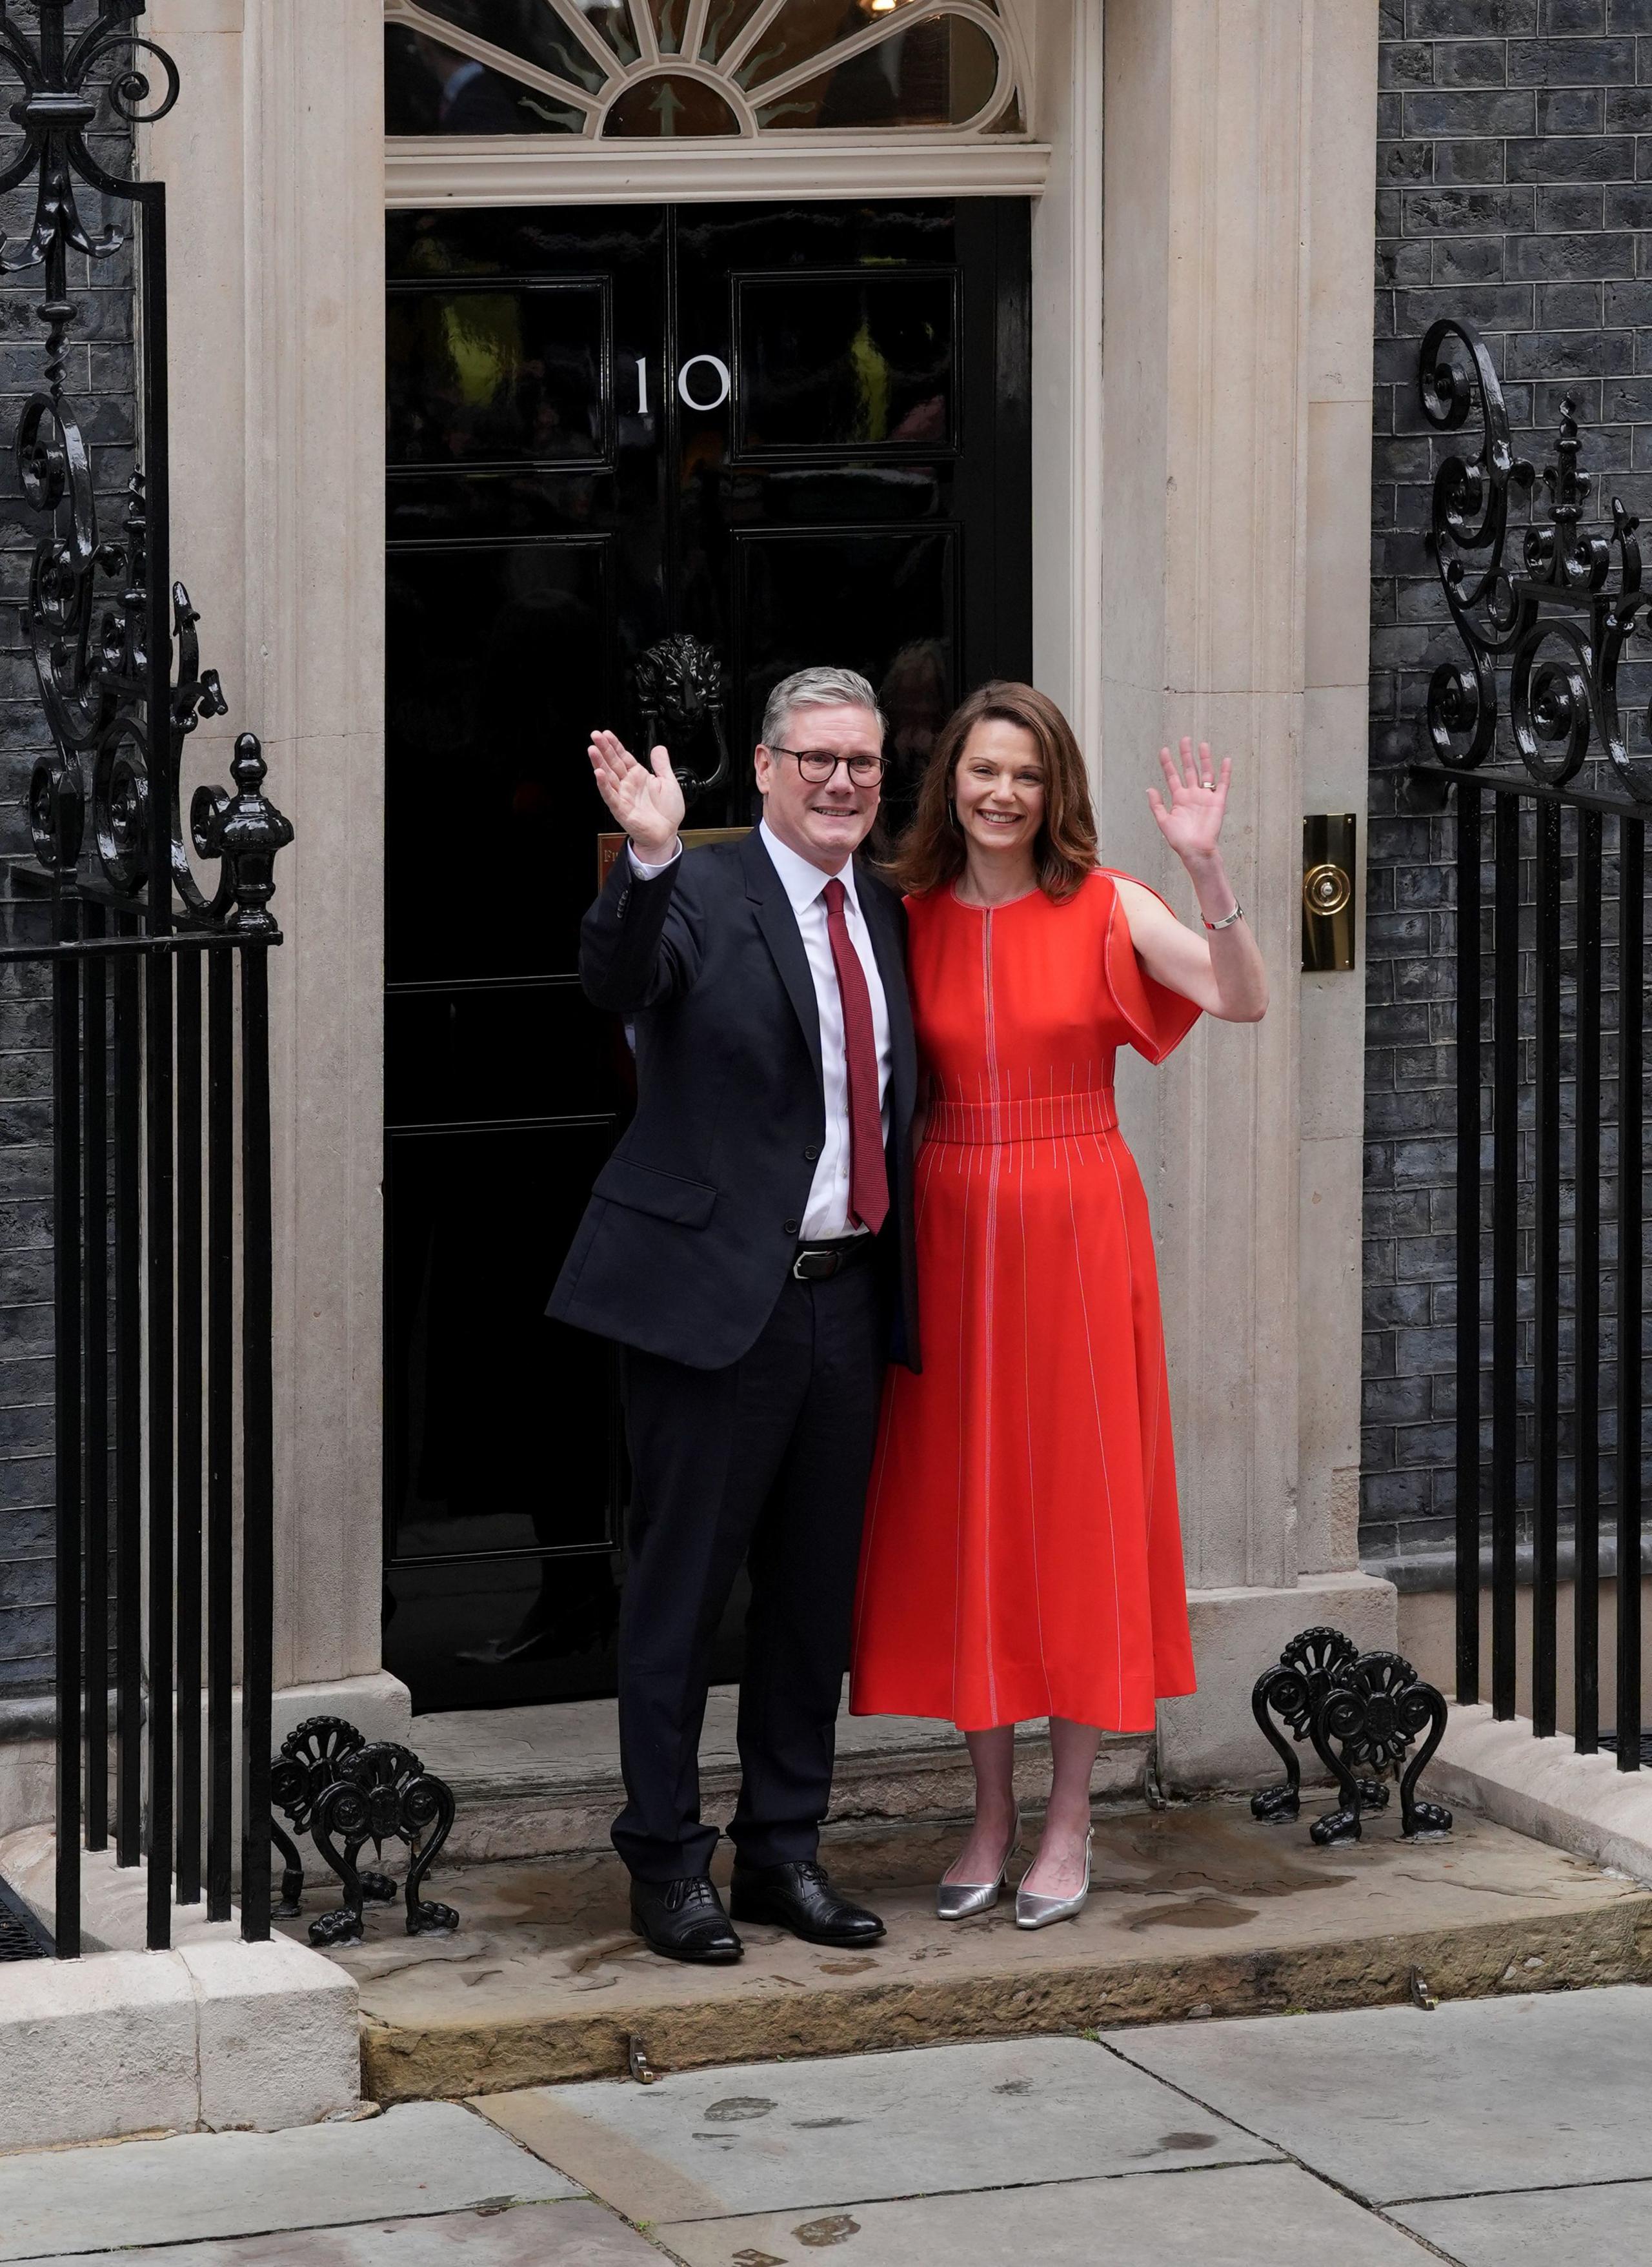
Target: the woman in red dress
(1022, 1556)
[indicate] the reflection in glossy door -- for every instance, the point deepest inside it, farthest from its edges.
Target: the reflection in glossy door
(796, 433)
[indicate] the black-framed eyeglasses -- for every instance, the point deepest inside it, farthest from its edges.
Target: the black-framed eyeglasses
(817, 766)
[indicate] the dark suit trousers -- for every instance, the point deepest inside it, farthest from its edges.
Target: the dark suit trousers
(763, 1462)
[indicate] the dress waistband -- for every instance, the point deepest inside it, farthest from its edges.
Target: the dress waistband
(1037, 1118)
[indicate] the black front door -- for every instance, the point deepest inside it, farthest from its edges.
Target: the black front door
(798, 433)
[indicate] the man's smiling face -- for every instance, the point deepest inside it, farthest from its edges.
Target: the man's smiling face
(828, 823)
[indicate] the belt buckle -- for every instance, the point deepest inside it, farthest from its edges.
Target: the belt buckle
(823, 1267)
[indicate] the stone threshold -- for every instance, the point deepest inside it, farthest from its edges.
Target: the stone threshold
(1196, 1911)
(546, 1781)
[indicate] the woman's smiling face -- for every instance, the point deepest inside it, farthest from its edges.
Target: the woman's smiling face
(999, 788)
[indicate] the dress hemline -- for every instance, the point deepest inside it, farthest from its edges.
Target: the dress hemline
(934, 1715)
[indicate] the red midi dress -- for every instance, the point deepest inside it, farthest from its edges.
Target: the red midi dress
(1022, 1554)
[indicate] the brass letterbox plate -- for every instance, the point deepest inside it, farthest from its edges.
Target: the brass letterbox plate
(1328, 873)
(610, 846)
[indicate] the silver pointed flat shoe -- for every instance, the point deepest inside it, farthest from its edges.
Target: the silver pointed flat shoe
(1033, 1912)
(957, 1900)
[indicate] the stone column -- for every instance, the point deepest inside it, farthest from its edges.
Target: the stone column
(1343, 149)
(273, 159)
(1208, 141)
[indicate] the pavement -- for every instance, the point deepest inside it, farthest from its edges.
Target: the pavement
(1514, 2131)
(1197, 1908)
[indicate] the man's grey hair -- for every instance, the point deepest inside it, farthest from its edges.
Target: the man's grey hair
(816, 688)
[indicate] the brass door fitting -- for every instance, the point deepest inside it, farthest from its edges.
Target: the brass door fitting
(1328, 890)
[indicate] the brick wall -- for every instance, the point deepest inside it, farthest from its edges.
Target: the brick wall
(1515, 188)
(101, 380)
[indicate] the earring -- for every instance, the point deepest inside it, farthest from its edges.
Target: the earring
(952, 812)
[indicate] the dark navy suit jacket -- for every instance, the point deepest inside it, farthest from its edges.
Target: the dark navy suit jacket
(693, 1221)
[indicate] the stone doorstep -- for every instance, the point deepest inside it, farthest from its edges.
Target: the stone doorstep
(1196, 1911)
(546, 1781)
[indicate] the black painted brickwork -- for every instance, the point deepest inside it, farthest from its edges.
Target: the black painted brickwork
(100, 380)
(1515, 188)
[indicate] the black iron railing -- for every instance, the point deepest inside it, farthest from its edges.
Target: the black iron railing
(1549, 1167)
(160, 1080)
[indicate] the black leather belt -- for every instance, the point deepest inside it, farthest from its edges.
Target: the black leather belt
(818, 1263)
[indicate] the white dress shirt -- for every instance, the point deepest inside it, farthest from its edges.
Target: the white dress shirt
(826, 1213)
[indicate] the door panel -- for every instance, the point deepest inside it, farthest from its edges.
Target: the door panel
(798, 432)
(481, 1464)
(916, 412)
(497, 664)
(484, 376)
(489, 1054)
(891, 595)
(846, 363)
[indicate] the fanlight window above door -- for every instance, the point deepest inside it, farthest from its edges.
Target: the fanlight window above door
(663, 69)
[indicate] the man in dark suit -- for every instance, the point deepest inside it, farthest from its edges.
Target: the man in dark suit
(749, 1245)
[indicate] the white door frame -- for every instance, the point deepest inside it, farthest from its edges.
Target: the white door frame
(522, 169)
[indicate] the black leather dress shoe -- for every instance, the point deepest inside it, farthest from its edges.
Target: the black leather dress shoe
(799, 1898)
(684, 1920)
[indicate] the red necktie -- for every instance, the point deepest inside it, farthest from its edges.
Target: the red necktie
(868, 1177)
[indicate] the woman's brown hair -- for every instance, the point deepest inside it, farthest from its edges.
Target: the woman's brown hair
(931, 852)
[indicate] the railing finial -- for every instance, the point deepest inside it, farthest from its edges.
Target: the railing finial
(245, 830)
(1559, 627)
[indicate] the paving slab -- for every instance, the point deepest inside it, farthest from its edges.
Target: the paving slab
(774, 2137)
(1251, 2216)
(428, 2157)
(569, 2234)
(1198, 1909)
(1400, 2103)
(1606, 2226)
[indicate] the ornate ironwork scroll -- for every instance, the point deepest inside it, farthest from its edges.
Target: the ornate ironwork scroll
(161, 1185)
(1561, 626)
(112, 638)
(382, 1792)
(300, 1775)
(333, 1786)
(1368, 1721)
(1363, 1711)
(1293, 1690)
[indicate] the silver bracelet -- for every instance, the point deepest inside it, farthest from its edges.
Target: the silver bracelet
(1227, 919)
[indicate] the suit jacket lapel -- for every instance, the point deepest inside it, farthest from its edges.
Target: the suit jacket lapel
(785, 940)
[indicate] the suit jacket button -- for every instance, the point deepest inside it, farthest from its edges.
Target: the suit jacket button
(811, 1153)
(790, 1226)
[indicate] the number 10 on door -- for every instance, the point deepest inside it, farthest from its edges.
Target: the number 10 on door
(693, 392)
